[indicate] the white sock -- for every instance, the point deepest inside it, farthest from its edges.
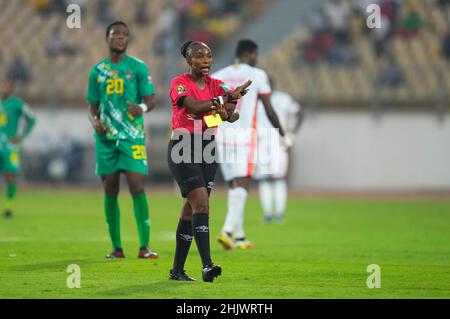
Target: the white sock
(240, 198)
(266, 196)
(231, 218)
(280, 188)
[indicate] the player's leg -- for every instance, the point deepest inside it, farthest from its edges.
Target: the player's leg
(237, 197)
(240, 194)
(226, 157)
(111, 186)
(184, 236)
(11, 189)
(263, 173)
(232, 167)
(279, 184)
(280, 192)
(136, 185)
(266, 197)
(11, 168)
(199, 201)
(106, 158)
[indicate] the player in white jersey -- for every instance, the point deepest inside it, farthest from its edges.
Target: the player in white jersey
(236, 142)
(273, 157)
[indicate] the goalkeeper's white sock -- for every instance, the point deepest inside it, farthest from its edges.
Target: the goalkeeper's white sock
(266, 196)
(280, 190)
(240, 198)
(231, 218)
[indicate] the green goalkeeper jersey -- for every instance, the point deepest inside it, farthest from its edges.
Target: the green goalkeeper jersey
(111, 86)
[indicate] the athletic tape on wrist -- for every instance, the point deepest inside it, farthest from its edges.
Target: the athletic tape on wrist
(144, 107)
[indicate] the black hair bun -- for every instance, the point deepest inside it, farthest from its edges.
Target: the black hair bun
(185, 47)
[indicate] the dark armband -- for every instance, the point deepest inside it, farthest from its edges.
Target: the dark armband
(180, 101)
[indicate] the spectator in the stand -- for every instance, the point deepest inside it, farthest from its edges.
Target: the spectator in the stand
(391, 74)
(57, 45)
(233, 6)
(164, 28)
(317, 47)
(142, 14)
(201, 35)
(183, 17)
(360, 6)
(315, 21)
(19, 71)
(380, 37)
(445, 50)
(105, 12)
(41, 6)
(412, 23)
(216, 7)
(344, 54)
(59, 6)
(390, 9)
(337, 16)
(443, 3)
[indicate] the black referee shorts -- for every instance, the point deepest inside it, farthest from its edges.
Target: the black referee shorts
(189, 165)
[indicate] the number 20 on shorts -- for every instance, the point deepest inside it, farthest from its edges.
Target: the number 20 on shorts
(139, 152)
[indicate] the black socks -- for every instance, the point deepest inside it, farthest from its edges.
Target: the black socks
(183, 242)
(200, 227)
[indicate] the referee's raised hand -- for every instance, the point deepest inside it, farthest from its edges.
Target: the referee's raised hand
(240, 91)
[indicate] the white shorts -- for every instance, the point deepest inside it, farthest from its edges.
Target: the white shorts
(236, 161)
(273, 160)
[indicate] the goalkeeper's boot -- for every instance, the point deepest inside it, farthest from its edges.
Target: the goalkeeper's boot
(225, 240)
(180, 275)
(211, 272)
(147, 253)
(116, 253)
(244, 244)
(7, 213)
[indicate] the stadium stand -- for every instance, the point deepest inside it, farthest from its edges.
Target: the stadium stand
(30, 28)
(322, 65)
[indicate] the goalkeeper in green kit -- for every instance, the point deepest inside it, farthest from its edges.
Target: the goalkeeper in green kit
(13, 111)
(120, 91)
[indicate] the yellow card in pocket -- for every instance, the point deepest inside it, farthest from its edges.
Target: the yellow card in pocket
(213, 120)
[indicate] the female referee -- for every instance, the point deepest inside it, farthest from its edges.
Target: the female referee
(198, 107)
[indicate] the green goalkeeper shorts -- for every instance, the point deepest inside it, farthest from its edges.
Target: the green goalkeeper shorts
(120, 156)
(10, 159)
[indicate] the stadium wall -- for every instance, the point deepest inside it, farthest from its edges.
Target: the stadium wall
(355, 151)
(333, 151)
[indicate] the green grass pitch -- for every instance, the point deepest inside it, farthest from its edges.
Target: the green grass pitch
(321, 251)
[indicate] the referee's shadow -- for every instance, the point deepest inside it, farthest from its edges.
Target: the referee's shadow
(55, 265)
(150, 290)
